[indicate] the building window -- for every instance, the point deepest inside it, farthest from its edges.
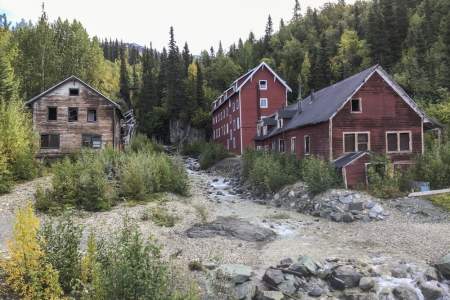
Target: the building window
(307, 145)
(74, 92)
(52, 114)
(234, 142)
(92, 115)
(355, 141)
(238, 123)
(263, 85)
(398, 141)
(293, 144)
(91, 141)
(73, 114)
(356, 105)
(263, 103)
(50, 141)
(280, 123)
(281, 145)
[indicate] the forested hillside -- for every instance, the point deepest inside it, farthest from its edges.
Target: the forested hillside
(409, 38)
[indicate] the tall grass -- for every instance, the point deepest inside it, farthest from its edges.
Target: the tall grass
(207, 153)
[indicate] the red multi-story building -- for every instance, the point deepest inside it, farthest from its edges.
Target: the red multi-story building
(346, 122)
(258, 93)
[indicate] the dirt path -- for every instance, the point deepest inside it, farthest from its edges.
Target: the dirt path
(398, 237)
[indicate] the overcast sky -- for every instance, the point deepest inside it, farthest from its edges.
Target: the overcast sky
(201, 23)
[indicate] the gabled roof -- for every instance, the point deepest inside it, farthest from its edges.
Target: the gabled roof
(237, 85)
(323, 105)
(73, 77)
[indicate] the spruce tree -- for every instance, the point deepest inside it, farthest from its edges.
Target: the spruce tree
(187, 58)
(391, 44)
(297, 11)
(375, 35)
(148, 98)
(199, 87)
(124, 77)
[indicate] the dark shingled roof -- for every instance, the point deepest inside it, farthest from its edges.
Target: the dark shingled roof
(348, 158)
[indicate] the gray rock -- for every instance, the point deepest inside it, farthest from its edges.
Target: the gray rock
(346, 199)
(276, 197)
(270, 295)
(355, 295)
(234, 273)
(377, 209)
(400, 271)
(358, 206)
(348, 218)
(291, 194)
(404, 293)
(431, 274)
(345, 277)
(288, 286)
(370, 204)
(273, 277)
(285, 262)
(315, 292)
(337, 217)
(245, 291)
(431, 290)
(443, 265)
(231, 227)
(366, 283)
(305, 265)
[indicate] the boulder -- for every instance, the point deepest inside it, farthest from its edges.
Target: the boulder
(286, 262)
(405, 293)
(305, 266)
(245, 291)
(337, 217)
(234, 273)
(345, 277)
(400, 271)
(288, 286)
(315, 292)
(273, 277)
(366, 283)
(358, 206)
(348, 218)
(431, 290)
(270, 295)
(443, 265)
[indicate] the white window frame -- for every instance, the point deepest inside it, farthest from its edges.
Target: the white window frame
(279, 145)
(360, 106)
(398, 141)
(262, 100)
(356, 140)
(238, 123)
(306, 137)
(293, 144)
(263, 87)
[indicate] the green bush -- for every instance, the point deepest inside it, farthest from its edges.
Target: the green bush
(60, 241)
(384, 181)
(319, 175)
(434, 166)
(207, 153)
(268, 171)
(140, 143)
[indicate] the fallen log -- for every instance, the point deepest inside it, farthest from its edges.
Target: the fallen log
(429, 193)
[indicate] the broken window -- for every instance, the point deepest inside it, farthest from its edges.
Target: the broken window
(52, 113)
(73, 114)
(92, 141)
(92, 115)
(74, 92)
(307, 148)
(354, 142)
(50, 141)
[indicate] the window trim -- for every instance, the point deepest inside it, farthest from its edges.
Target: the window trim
(48, 113)
(360, 106)
(356, 140)
(266, 85)
(398, 141)
(293, 145)
(49, 134)
(91, 137)
(267, 103)
(87, 115)
(281, 141)
(304, 145)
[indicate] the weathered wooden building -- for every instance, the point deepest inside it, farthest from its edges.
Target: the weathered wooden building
(259, 92)
(348, 121)
(71, 115)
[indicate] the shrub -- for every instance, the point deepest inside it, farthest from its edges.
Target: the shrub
(161, 217)
(132, 268)
(202, 212)
(268, 172)
(60, 241)
(442, 200)
(212, 153)
(384, 181)
(141, 143)
(90, 283)
(434, 166)
(27, 272)
(319, 175)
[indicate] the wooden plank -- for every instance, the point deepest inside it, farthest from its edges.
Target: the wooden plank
(429, 193)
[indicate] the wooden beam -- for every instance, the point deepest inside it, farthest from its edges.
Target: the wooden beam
(429, 193)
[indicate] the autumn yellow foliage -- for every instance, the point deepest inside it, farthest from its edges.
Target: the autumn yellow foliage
(27, 272)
